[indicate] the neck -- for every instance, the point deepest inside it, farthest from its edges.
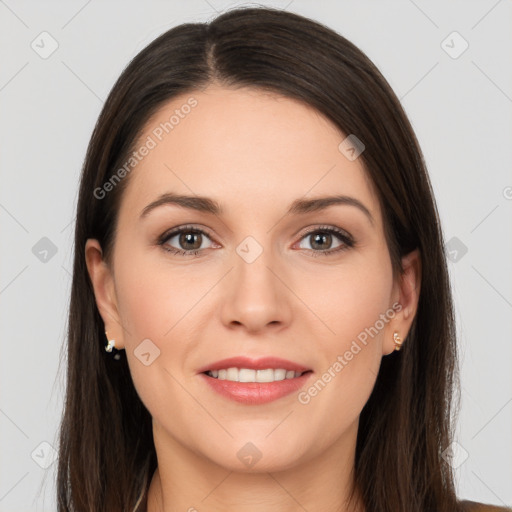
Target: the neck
(188, 482)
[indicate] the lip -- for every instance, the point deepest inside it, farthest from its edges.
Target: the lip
(256, 393)
(255, 364)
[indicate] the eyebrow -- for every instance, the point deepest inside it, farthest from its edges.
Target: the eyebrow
(298, 207)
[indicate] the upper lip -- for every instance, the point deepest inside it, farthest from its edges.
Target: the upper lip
(254, 364)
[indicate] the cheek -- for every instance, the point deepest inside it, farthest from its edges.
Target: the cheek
(350, 299)
(153, 298)
(354, 306)
(156, 304)
(163, 305)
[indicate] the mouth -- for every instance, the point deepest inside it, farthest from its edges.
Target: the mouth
(255, 381)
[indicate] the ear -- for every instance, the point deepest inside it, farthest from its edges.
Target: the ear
(102, 280)
(406, 294)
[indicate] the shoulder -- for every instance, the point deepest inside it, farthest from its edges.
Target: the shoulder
(473, 506)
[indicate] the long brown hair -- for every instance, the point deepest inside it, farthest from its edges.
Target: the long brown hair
(107, 454)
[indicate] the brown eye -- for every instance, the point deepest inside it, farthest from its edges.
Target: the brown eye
(321, 240)
(189, 240)
(326, 241)
(184, 241)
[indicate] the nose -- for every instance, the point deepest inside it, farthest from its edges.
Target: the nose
(255, 297)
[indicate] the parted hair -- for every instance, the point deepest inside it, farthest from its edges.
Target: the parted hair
(106, 454)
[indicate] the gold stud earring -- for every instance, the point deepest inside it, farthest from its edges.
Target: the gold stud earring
(398, 341)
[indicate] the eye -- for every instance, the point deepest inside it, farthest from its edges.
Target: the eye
(190, 241)
(322, 239)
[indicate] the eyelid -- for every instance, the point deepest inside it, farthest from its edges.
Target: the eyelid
(204, 230)
(329, 228)
(178, 229)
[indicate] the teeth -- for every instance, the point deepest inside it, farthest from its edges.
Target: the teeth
(249, 375)
(232, 374)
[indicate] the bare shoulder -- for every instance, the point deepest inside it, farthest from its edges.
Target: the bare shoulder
(473, 506)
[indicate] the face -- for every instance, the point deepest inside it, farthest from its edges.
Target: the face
(258, 278)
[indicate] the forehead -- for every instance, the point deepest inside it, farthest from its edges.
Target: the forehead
(245, 147)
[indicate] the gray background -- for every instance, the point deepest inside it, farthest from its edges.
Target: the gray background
(461, 110)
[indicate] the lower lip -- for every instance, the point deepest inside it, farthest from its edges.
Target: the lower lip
(255, 393)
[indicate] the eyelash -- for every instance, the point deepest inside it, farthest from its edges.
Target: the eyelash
(346, 239)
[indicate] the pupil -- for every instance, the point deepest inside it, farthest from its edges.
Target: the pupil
(323, 237)
(187, 238)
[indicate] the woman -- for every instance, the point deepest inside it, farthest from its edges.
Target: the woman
(261, 315)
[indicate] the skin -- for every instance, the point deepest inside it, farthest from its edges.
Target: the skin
(254, 153)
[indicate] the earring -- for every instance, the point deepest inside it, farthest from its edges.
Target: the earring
(398, 341)
(110, 347)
